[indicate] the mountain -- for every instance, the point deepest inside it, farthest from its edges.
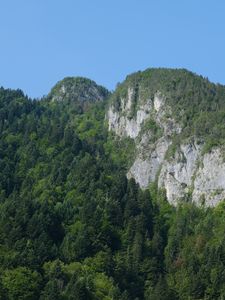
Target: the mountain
(177, 122)
(74, 222)
(78, 89)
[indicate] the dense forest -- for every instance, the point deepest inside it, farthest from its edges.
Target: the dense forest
(73, 227)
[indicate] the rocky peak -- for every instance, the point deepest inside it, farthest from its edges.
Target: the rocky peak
(79, 89)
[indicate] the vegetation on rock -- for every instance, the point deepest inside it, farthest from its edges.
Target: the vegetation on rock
(73, 227)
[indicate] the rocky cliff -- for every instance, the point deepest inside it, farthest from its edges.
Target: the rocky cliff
(174, 117)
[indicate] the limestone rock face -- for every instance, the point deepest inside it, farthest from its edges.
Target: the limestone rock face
(191, 174)
(120, 121)
(186, 176)
(209, 183)
(144, 169)
(177, 175)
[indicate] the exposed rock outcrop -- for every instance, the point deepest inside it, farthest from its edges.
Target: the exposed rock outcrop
(187, 175)
(122, 123)
(78, 89)
(209, 182)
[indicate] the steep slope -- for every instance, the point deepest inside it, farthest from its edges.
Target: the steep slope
(177, 120)
(73, 227)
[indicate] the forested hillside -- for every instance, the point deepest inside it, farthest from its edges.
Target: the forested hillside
(73, 227)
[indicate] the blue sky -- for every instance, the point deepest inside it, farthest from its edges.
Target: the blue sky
(43, 41)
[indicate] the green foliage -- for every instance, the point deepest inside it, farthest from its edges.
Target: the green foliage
(195, 253)
(154, 130)
(21, 283)
(121, 151)
(73, 227)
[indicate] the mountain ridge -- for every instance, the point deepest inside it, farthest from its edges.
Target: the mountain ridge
(74, 224)
(175, 120)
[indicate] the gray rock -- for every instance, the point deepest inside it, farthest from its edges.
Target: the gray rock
(188, 176)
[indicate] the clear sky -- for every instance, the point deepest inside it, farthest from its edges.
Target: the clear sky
(43, 41)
